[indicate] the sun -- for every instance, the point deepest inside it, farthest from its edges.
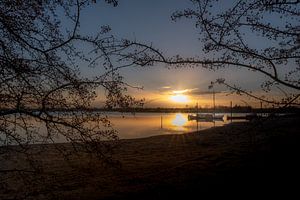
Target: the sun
(179, 98)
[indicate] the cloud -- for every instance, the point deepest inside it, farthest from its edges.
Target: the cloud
(168, 90)
(199, 93)
(185, 91)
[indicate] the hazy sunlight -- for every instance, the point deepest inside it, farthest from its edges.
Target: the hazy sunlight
(179, 98)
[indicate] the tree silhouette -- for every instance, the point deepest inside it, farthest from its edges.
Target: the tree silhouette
(257, 35)
(44, 99)
(228, 33)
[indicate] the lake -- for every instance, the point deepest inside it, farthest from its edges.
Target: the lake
(149, 124)
(129, 126)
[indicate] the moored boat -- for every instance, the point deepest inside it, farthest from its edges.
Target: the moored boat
(205, 117)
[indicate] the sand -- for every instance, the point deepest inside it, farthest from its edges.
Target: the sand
(257, 159)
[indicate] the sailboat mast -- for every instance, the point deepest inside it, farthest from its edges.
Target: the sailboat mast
(197, 116)
(214, 102)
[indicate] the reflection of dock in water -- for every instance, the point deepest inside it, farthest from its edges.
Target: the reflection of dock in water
(212, 117)
(206, 117)
(245, 117)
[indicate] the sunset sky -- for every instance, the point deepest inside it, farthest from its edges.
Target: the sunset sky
(150, 22)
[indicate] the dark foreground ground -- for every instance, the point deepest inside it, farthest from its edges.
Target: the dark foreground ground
(242, 160)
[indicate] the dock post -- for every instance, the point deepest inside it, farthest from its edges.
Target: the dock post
(214, 101)
(261, 108)
(161, 122)
(197, 118)
(230, 111)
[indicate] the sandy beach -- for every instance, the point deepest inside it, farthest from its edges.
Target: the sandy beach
(253, 159)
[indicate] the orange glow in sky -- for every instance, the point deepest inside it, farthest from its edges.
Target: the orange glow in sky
(179, 98)
(180, 91)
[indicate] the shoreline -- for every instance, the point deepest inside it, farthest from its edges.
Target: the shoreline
(235, 157)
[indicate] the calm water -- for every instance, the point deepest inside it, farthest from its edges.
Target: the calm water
(140, 125)
(149, 124)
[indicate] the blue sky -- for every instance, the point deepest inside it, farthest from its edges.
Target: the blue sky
(149, 21)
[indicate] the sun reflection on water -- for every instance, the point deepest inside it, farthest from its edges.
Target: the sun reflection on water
(179, 120)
